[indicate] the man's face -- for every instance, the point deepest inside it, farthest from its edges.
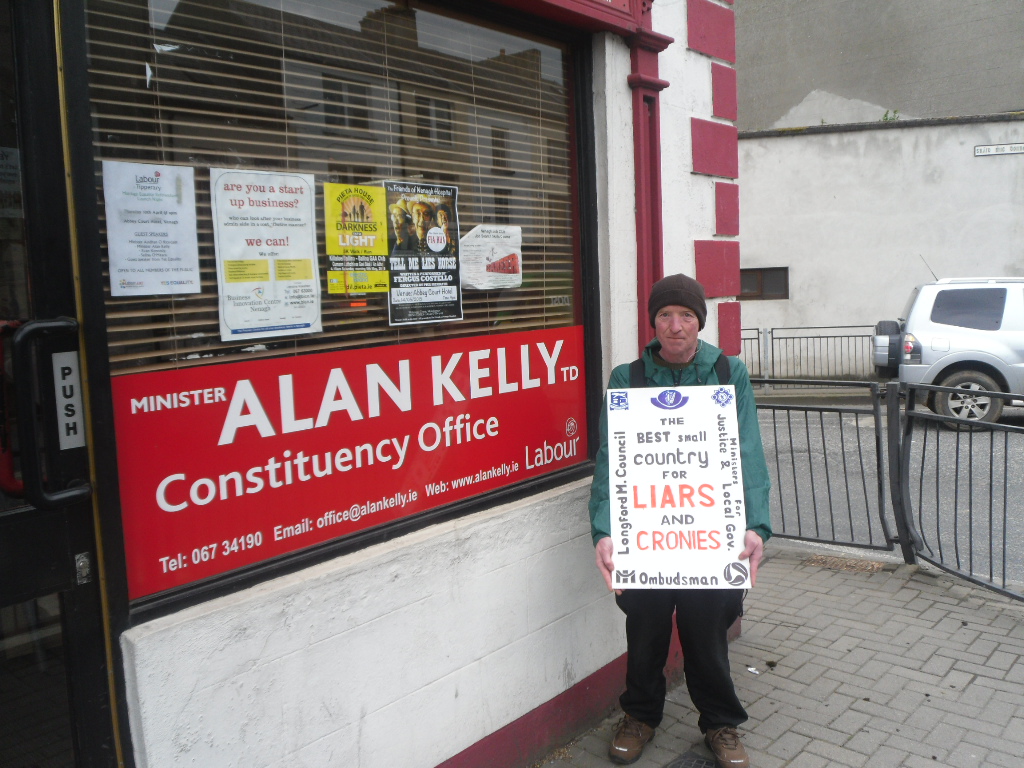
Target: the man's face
(398, 222)
(676, 328)
(421, 218)
(442, 219)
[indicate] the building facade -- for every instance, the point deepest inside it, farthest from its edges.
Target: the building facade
(879, 150)
(307, 313)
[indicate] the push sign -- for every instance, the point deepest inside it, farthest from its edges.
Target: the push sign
(676, 488)
(68, 390)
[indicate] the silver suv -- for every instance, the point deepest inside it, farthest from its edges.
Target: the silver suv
(958, 332)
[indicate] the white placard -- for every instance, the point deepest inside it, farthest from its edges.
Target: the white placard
(151, 228)
(492, 257)
(264, 233)
(676, 488)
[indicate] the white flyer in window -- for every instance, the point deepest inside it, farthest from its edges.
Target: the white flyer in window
(151, 228)
(264, 231)
(492, 257)
(676, 488)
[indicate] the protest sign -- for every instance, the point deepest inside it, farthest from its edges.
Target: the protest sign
(676, 488)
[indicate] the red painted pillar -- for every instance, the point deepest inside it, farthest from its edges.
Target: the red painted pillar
(711, 31)
(645, 45)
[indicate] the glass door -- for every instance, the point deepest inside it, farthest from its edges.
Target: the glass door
(54, 696)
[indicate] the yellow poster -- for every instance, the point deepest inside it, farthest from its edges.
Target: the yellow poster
(357, 238)
(356, 220)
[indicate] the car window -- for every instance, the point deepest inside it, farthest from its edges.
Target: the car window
(980, 308)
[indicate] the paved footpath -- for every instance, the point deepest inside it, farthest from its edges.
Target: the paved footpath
(857, 660)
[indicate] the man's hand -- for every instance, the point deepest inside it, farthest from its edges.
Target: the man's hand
(753, 550)
(603, 554)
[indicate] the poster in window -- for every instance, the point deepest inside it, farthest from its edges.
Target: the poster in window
(151, 228)
(264, 232)
(356, 234)
(423, 243)
(492, 258)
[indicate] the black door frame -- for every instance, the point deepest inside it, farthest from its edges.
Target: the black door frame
(42, 66)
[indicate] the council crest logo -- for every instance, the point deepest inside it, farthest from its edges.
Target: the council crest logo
(618, 401)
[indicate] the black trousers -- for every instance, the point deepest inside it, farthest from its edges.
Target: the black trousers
(703, 617)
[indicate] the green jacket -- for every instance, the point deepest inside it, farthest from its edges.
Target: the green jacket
(756, 482)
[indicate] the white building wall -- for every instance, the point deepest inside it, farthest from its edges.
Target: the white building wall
(408, 652)
(855, 216)
(616, 200)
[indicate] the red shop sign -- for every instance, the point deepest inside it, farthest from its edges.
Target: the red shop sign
(223, 466)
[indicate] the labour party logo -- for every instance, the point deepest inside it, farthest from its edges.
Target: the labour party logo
(735, 573)
(669, 400)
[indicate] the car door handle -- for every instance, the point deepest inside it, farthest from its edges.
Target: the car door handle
(23, 343)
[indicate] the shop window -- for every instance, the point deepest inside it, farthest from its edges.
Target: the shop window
(402, 397)
(764, 283)
(403, 92)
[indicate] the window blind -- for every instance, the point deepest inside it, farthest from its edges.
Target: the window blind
(354, 92)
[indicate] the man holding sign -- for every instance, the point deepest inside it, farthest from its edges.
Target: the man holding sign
(679, 498)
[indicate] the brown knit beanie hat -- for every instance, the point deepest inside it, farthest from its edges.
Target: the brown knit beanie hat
(680, 290)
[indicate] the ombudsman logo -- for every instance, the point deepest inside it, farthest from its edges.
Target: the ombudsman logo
(625, 577)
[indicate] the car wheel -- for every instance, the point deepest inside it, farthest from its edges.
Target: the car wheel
(969, 406)
(891, 329)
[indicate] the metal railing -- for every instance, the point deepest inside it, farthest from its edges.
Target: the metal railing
(960, 483)
(812, 352)
(953, 486)
(827, 465)
(750, 338)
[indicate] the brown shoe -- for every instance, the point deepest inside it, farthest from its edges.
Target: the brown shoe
(725, 745)
(631, 736)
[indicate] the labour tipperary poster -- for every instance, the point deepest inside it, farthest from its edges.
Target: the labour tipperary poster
(423, 247)
(356, 234)
(151, 228)
(223, 466)
(676, 488)
(264, 232)
(492, 258)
